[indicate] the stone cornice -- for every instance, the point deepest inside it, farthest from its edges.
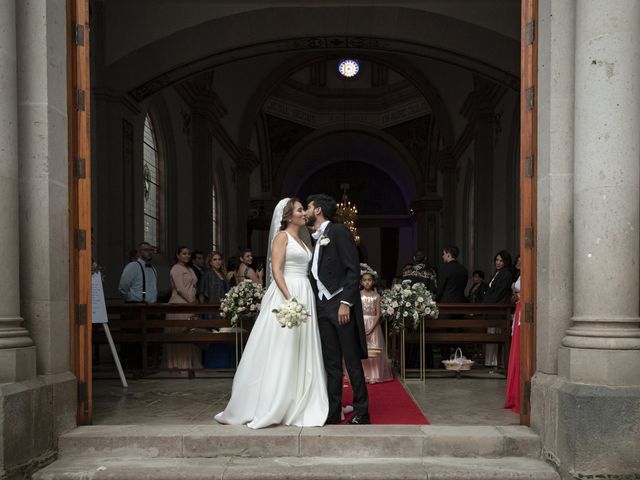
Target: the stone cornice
(428, 203)
(113, 96)
(309, 116)
(374, 96)
(202, 100)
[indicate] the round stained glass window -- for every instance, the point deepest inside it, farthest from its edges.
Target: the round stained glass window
(348, 67)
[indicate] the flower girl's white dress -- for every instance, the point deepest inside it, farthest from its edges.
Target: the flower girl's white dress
(281, 377)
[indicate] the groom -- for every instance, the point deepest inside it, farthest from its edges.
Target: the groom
(335, 278)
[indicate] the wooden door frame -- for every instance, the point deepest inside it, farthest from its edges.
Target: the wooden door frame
(79, 92)
(78, 109)
(528, 199)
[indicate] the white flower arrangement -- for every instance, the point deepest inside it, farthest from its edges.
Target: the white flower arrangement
(242, 300)
(324, 240)
(291, 313)
(404, 304)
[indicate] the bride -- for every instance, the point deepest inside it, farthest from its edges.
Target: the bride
(281, 377)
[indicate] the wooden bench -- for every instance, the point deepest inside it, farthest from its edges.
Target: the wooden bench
(467, 323)
(143, 324)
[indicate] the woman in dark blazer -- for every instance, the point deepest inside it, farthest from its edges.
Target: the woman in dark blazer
(499, 290)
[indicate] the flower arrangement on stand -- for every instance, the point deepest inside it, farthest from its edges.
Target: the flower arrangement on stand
(405, 303)
(242, 300)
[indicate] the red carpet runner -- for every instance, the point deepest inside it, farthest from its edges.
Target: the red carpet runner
(389, 404)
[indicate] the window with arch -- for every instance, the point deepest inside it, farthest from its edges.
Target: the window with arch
(152, 184)
(214, 218)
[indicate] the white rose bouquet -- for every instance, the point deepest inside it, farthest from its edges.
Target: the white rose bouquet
(242, 300)
(403, 304)
(291, 313)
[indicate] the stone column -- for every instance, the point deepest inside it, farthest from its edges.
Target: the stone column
(427, 211)
(44, 196)
(604, 339)
(16, 363)
(448, 165)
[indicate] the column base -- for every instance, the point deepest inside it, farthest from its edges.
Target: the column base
(587, 431)
(599, 367)
(17, 364)
(34, 414)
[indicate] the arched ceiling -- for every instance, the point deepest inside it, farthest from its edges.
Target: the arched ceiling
(162, 18)
(167, 55)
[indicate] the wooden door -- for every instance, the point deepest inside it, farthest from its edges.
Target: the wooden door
(528, 177)
(80, 201)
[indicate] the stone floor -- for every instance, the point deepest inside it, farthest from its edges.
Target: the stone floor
(174, 399)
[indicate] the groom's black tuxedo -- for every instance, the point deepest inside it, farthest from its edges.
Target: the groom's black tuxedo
(339, 268)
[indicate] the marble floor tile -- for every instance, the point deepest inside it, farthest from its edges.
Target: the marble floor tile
(157, 401)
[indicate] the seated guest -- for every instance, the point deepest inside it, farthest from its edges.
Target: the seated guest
(453, 278)
(478, 287)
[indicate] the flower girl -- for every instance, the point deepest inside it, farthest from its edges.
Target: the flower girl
(376, 367)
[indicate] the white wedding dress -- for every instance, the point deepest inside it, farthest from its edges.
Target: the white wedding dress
(281, 377)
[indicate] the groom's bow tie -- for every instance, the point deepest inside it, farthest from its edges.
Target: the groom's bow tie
(316, 235)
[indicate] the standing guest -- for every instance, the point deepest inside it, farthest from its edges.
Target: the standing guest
(183, 290)
(133, 254)
(198, 265)
(139, 279)
(214, 283)
(244, 270)
(421, 272)
(512, 397)
(376, 367)
(478, 287)
(453, 278)
(499, 291)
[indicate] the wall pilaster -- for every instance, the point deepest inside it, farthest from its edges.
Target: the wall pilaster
(17, 356)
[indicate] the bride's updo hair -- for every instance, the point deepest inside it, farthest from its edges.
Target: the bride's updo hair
(287, 212)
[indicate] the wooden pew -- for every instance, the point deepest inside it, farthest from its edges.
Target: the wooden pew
(144, 324)
(468, 323)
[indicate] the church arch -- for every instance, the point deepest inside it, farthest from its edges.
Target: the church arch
(291, 174)
(287, 68)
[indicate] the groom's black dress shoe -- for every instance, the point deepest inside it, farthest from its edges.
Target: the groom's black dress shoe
(360, 420)
(333, 420)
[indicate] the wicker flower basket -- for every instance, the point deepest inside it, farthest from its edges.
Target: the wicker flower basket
(458, 362)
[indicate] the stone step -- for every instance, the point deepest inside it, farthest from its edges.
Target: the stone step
(310, 468)
(365, 441)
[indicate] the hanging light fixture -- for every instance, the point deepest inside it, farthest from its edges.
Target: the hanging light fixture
(348, 213)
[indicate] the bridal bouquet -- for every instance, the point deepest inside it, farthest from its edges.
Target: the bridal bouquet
(403, 304)
(242, 300)
(291, 313)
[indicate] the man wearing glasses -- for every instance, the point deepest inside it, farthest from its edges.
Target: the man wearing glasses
(139, 279)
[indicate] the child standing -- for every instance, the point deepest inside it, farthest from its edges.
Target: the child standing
(376, 367)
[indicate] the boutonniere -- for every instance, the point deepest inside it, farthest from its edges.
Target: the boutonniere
(324, 240)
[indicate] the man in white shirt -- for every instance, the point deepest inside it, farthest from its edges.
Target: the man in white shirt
(139, 280)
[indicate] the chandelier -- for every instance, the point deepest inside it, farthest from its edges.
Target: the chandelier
(348, 213)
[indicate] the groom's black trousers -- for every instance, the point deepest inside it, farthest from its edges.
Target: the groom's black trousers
(340, 342)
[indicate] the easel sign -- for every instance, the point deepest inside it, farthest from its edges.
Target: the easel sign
(99, 315)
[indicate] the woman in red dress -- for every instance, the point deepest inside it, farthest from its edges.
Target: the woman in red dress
(512, 398)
